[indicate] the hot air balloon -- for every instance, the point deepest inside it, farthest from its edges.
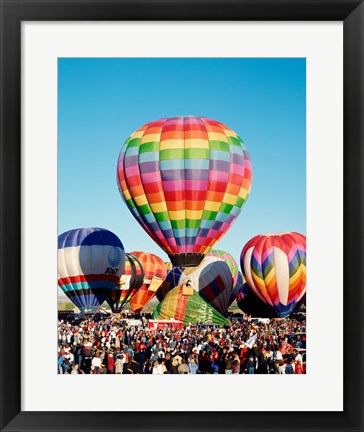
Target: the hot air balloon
(236, 288)
(90, 263)
(251, 304)
(213, 280)
(187, 308)
(233, 266)
(171, 280)
(185, 180)
(274, 266)
(154, 274)
(129, 283)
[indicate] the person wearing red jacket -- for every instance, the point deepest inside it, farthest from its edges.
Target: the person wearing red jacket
(110, 364)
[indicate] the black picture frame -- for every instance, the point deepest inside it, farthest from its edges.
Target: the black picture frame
(13, 12)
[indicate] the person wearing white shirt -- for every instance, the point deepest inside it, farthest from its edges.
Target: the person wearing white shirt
(298, 358)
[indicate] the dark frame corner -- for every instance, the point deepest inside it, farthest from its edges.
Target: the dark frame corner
(13, 12)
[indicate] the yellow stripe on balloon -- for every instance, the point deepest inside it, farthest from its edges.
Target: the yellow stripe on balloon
(158, 207)
(171, 144)
(140, 200)
(270, 276)
(176, 215)
(229, 199)
(214, 136)
(197, 143)
(243, 193)
(137, 134)
(126, 194)
(230, 133)
(194, 214)
(212, 206)
(150, 138)
(296, 276)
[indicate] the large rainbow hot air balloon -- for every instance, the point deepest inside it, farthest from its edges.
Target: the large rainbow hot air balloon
(90, 263)
(185, 180)
(274, 266)
(154, 274)
(129, 283)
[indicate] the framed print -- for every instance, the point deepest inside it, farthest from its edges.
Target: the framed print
(202, 110)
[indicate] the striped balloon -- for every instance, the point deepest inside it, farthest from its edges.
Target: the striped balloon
(185, 180)
(213, 280)
(154, 274)
(274, 266)
(230, 261)
(129, 283)
(90, 263)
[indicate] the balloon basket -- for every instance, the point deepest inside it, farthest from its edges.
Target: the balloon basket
(186, 259)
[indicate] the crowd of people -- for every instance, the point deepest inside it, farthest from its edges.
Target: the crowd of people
(116, 345)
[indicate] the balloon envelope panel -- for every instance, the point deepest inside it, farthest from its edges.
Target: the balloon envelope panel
(171, 280)
(154, 274)
(189, 309)
(90, 262)
(129, 283)
(212, 279)
(185, 180)
(274, 266)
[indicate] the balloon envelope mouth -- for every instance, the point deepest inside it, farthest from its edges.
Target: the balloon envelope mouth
(186, 259)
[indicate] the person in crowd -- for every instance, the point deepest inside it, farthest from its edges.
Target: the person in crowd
(155, 368)
(183, 368)
(193, 367)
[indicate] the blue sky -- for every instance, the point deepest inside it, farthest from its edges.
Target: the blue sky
(102, 101)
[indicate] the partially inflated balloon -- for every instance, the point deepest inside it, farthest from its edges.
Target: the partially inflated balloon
(90, 263)
(233, 266)
(171, 280)
(213, 280)
(154, 274)
(187, 308)
(185, 180)
(128, 285)
(274, 266)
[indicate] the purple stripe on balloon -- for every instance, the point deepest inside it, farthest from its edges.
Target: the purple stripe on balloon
(237, 159)
(217, 225)
(149, 167)
(181, 241)
(131, 160)
(153, 226)
(168, 233)
(229, 219)
(220, 165)
(203, 232)
(197, 174)
(172, 175)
